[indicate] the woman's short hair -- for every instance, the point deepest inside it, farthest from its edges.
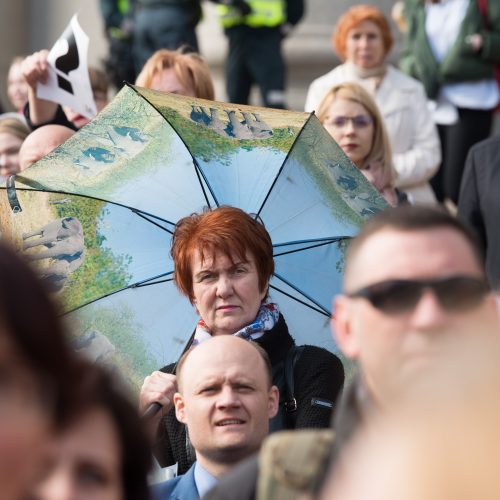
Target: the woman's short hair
(15, 127)
(97, 388)
(352, 18)
(228, 230)
(381, 148)
(190, 68)
(30, 319)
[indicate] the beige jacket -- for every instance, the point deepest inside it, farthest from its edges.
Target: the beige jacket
(414, 139)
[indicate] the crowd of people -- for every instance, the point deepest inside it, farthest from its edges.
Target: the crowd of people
(418, 315)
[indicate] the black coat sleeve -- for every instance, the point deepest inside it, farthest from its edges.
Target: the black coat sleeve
(319, 374)
(170, 446)
(469, 209)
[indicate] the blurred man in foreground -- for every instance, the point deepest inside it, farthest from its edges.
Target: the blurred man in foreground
(414, 283)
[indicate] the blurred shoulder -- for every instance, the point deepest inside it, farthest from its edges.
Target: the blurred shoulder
(314, 356)
(404, 81)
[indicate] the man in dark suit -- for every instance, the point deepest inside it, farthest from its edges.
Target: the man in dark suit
(226, 399)
(479, 203)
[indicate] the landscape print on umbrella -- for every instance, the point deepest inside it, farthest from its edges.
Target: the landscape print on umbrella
(124, 180)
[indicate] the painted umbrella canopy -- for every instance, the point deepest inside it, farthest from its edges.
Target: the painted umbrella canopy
(96, 217)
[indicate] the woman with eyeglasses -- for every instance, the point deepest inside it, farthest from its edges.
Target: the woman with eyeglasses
(352, 118)
(362, 39)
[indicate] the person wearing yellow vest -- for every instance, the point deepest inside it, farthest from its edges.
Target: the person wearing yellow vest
(117, 17)
(164, 24)
(255, 30)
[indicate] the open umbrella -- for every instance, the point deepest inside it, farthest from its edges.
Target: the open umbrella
(97, 214)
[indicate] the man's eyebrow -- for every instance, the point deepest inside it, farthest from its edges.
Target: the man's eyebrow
(208, 382)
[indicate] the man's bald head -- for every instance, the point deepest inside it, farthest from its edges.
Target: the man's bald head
(226, 400)
(41, 142)
(223, 345)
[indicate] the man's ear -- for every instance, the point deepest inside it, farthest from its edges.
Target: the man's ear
(273, 401)
(341, 325)
(179, 407)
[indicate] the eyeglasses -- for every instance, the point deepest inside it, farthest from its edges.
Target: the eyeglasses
(358, 121)
(456, 293)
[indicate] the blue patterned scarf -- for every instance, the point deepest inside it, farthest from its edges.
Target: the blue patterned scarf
(266, 318)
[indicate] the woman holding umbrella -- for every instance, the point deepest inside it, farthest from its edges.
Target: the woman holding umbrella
(223, 263)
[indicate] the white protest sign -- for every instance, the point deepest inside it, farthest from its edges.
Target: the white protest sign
(68, 82)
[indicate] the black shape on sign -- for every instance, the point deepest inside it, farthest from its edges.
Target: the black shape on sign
(69, 61)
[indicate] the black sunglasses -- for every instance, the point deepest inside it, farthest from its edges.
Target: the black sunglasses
(400, 296)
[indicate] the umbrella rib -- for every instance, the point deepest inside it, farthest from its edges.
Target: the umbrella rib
(195, 162)
(289, 295)
(283, 164)
(199, 172)
(40, 188)
(138, 213)
(301, 249)
(148, 281)
(325, 311)
(328, 239)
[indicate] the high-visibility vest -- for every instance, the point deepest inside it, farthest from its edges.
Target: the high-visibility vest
(123, 6)
(265, 14)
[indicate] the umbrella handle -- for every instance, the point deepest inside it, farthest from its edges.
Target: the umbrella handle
(155, 407)
(151, 410)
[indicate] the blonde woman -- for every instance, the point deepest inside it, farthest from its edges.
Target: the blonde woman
(177, 72)
(352, 118)
(362, 40)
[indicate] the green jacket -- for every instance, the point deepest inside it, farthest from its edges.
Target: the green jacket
(461, 64)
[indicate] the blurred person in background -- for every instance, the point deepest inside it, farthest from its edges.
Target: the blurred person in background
(479, 203)
(36, 382)
(164, 24)
(177, 72)
(39, 112)
(255, 31)
(41, 142)
(351, 117)
(17, 88)
(362, 39)
(13, 132)
(452, 49)
(118, 24)
(101, 451)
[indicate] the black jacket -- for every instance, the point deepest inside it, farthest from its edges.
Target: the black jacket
(479, 201)
(318, 374)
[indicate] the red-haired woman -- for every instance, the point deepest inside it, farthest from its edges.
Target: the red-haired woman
(362, 39)
(223, 263)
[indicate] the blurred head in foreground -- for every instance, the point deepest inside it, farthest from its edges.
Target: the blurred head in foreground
(36, 375)
(101, 451)
(414, 280)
